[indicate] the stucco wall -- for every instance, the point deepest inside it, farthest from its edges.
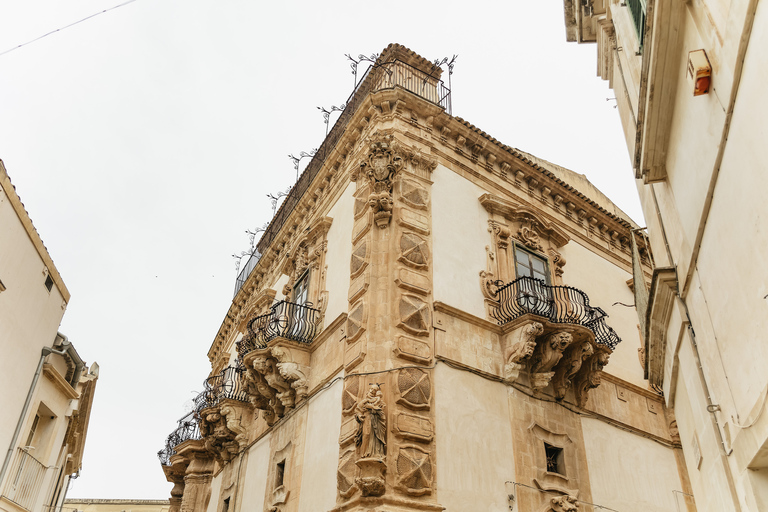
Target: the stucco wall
(29, 315)
(339, 254)
(474, 448)
(460, 234)
(318, 479)
(628, 472)
(255, 487)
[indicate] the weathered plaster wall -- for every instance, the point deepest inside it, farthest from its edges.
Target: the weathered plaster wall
(318, 480)
(460, 234)
(474, 442)
(339, 253)
(605, 283)
(29, 315)
(213, 504)
(628, 472)
(255, 487)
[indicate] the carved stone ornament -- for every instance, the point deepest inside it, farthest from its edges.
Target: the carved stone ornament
(359, 259)
(218, 438)
(381, 166)
(349, 396)
(590, 375)
(413, 195)
(371, 442)
(547, 355)
(414, 251)
(414, 470)
(347, 474)
(522, 350)
(564, 503)
(414, 388)
(488, 284)
(573, 360)
(414, 315)
(275, 381)
(558, 261)
(530, 238)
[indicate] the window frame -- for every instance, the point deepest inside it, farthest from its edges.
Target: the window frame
(531, 254)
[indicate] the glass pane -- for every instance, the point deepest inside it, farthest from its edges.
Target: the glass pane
(521, 256)
(523, 271)
(538, 265)
(540, 275)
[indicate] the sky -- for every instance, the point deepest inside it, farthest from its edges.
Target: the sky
(143, 143)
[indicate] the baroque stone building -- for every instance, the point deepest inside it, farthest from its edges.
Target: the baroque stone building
(426, 327)
(47, 389)
(690, 81)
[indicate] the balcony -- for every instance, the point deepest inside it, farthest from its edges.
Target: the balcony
(26, 477)
(558, 304)
(187, 430)
(242, 277)
(229, 384)
(297, 322)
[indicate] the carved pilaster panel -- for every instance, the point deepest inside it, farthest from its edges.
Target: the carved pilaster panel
(413, 281)
(414, 314)
(414, 388)
(359, 259)
(415, 472)
(356, 321)
(413, 194)
(414, 250)
(413, 427)
(413, 349)
(351, 394)
(347, 474)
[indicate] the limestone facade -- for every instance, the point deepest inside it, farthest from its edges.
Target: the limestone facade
(427, 329)
(47, 387)
(688, 78)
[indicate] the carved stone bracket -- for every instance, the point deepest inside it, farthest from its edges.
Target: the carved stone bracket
(277, 378)
(542, 354)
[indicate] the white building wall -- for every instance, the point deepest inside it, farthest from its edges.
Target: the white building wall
(616, 460)
(460, 234)
(474, 442)
(255, 482)
(339, 254)
(318, 478)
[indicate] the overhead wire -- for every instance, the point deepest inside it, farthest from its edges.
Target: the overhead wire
(66, 27)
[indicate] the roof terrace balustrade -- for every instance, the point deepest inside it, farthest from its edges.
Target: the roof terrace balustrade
(187, 430)
(227, 384)
(558, 304)
(297, 322)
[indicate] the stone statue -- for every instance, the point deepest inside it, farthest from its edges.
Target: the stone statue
(371, 436)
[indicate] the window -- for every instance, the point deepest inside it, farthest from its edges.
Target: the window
(531, 265)
(555, 459)
(32, 431)
(301, 289)
(280, 474)
(48, 283)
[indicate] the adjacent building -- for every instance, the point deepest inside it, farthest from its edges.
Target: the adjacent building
(47, 387)
(690, 83)
(436, 321)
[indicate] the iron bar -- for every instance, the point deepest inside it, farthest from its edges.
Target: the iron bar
(25, 480)
(558, 304)
(297, 322)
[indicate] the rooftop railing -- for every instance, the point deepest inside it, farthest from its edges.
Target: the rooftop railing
(188, 429)
(227, 384)
(297, 322)
(558, 304)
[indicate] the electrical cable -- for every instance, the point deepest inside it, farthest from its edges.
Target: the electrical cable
(66, 27)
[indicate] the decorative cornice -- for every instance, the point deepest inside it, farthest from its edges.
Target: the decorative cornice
(59, 381)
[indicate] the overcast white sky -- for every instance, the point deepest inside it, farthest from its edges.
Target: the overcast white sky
(143, 143)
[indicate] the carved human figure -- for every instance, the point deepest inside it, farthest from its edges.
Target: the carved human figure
(522, 350)
(371, 436)
(565, 373)
(564, 503)
(551, 351)
(267, 367)
(591, 377)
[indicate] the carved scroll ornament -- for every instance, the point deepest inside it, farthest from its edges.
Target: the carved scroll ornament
(381, 166)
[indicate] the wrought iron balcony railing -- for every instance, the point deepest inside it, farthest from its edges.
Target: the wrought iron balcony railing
(558, 304)
(297, 322)
(25, 479)
(227, 384)
(188, 429)
(386, 75)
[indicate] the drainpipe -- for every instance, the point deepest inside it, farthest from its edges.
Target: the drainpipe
(67, 349)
